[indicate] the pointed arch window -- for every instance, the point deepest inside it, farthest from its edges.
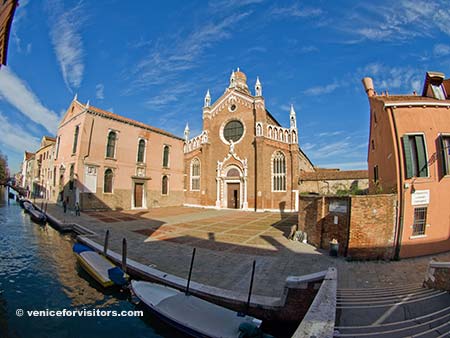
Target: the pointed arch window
(165, 185)
(108, 181)
(195, 174)
(111, 145)
(279, 172)
(75, 139)
(141, 151)
(166, 153)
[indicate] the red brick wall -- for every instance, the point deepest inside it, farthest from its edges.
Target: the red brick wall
(372, 227)
(364, 231)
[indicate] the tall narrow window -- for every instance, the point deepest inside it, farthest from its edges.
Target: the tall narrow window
(420, 221)
(75, 139)
(445, 154)
(141, 151)
(279, 172)
(195, 174)
(375, 174)
(166, 156)
(57, 146)
(108, 181)
(111, 145)
(71, 176)
(415, 156)
(165, 185)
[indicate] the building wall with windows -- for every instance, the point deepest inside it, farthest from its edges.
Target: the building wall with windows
(108, 161)
(243, 158)
(42, 178)
(410, 137)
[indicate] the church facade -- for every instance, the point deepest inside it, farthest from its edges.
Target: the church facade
(243, 158)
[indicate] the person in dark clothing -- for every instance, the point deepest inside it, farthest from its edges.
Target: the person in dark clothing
(77, 209)
(65, 206)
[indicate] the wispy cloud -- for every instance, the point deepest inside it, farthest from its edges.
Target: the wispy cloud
(321, 90)
(441, 50)
(309, 49)
(168, 58)
(352, 165)
(15, 138)
(100, 91)
(398, 20)
(388, 78)
(330, 133)
(297, 11)
(65, 25)
(224, 5)
(17, 93)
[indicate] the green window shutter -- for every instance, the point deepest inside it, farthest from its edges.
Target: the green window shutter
(408, 159)
(421, 156)
(443, 156)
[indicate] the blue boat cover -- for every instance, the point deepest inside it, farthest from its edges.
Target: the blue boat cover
(117, 276)
(79, 248)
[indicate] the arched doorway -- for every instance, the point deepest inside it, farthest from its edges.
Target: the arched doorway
(232, 188)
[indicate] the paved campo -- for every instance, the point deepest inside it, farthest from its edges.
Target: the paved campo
(227, 242)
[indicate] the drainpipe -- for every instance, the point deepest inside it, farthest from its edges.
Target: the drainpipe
(400, 189)
(90, 141)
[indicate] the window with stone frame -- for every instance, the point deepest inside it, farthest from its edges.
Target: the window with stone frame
(75, 139)
(108, 181)
(416, 163)
(420, 221)
(165, 185)
(279, 172)
(445, 154)
(111, 145)
(141, 151)
(166, 153)
(195, 174)
(71, 176)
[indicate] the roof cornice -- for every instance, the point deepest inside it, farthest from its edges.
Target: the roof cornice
(416, 104)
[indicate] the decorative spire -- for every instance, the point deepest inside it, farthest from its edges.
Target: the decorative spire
(293, 118)
(232, 80)
(186, 132)
(207, 99)
(75, 98)
(258, 87)
(87, 104)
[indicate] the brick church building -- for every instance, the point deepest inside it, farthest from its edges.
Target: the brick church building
(243, 158)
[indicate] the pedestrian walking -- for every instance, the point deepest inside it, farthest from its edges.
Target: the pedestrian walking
(77, 209)
(64, 206)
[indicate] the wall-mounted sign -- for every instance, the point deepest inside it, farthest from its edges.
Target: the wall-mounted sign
(420, 197)
(338, 206)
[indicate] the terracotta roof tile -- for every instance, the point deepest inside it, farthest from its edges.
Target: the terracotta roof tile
(322, 175)
(130, 121)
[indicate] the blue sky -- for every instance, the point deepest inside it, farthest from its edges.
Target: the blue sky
(153, 62)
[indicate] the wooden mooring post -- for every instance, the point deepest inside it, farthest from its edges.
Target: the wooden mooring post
(190, 272)
(124, 255)
(105, 245)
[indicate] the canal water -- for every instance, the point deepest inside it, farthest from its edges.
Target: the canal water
(38, 271)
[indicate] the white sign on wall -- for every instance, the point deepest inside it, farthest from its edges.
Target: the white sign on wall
(420, 197)
(90, 179)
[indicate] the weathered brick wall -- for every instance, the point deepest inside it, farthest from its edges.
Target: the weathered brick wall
(363, 225)
(438, 276)
(372, 227)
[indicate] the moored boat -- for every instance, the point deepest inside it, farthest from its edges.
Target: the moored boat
(192, 315)
(99, 267)
(35, 214)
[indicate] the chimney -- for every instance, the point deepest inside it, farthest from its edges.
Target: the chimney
(368, 86)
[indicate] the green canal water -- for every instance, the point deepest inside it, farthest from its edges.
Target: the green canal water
(38, 271)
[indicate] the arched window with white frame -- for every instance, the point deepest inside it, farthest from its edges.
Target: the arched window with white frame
(141, 151)
(111, 144)
(195, 174)
(279, 172)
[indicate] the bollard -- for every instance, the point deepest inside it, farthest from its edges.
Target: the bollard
(105, 245)
(124, 255)
(190, 273)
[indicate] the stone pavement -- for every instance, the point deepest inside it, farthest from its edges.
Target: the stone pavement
(227, 242)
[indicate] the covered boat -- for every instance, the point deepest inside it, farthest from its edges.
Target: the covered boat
(99, 267)
(35, 214)
(192, 315)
